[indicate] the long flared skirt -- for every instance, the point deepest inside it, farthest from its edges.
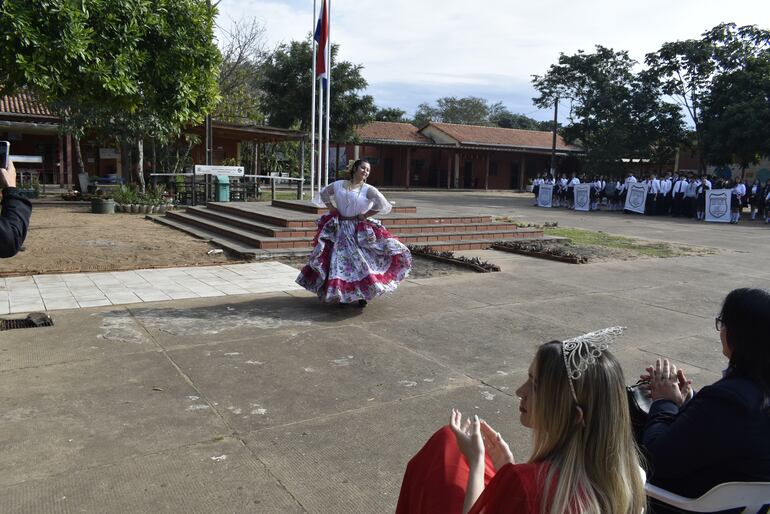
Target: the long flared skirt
(354, 260)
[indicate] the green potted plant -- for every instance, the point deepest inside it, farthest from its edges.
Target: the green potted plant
(102, 203)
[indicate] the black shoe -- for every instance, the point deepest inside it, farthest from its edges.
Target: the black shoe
(362, 303)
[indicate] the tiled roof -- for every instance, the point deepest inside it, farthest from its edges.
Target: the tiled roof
(475, 134)
(23, 103)
(389, 131)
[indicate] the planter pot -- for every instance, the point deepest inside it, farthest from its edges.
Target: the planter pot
(162, 208)
(530, 188)
(155, 209)
(103, 206)
(144, 209)
(121, 207)
(134, 208)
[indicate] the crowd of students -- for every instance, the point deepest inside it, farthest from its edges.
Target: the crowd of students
(670, 194)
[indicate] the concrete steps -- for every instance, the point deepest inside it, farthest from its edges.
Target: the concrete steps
(255, 230)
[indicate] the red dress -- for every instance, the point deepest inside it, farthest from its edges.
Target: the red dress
(436, 478)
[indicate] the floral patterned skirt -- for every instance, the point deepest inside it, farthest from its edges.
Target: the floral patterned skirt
(354, 260)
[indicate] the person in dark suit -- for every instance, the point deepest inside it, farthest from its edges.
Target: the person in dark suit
(15, 214)
(721, 434)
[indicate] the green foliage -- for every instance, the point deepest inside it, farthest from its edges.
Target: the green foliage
(132, 68)
(500, 116)
(286, 79)
(393, 114)
(614, 113)
(688, 70)
(736, 114)
(475, 111)
(469, 110)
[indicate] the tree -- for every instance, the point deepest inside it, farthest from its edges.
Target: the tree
(736, 114)
(425, 114)
(469, 110)
(285, 81)
(500, 116)
(393, 114)
(687, 69)
(614, 113)
(243, 53)
(131, 69)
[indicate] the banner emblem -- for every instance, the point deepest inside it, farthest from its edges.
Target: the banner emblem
(718, 205)
(636, 197)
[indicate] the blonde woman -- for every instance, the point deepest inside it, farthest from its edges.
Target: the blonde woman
(584, 459)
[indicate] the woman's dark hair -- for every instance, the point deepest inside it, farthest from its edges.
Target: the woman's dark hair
(355, 166)
(746, 314)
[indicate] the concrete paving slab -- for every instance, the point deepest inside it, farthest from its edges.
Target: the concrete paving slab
(645, 323)
(354, 462)
(479, 342)
(217, 476)
(277, 381)
(67, 417)
(76, 335)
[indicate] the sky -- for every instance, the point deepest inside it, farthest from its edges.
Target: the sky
(416, 51)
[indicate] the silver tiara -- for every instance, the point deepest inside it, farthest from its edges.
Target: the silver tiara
(582, 351)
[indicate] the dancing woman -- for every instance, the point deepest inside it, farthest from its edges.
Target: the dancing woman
(354, 257)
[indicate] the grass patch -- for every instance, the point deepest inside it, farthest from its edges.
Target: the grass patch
(637, 247)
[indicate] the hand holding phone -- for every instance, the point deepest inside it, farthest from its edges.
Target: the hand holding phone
(7, 169)
(5, 149)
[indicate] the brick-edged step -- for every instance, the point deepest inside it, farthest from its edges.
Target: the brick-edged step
(497, 235)
(237, 220)
(245, 237)
(305, 206)
(266, 214)
(262, 215)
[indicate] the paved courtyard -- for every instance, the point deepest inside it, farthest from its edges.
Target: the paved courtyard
(270, 402)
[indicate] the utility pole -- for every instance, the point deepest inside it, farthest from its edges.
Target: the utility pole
(553, 139)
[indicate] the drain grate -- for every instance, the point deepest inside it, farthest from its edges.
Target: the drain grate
(36, 319)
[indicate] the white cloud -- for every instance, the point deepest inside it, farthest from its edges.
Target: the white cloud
(488, 44)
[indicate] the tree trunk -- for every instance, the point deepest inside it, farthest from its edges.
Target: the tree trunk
(140, 164)
(79, 155)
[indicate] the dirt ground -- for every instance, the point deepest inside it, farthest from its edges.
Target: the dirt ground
(71, 239)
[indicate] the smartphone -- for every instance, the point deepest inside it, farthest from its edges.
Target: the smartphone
(5, 149)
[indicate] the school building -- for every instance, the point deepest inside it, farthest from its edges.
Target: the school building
(451, 156)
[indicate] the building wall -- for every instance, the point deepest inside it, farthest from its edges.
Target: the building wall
(433, 167)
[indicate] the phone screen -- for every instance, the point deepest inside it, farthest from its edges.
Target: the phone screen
(5, 147)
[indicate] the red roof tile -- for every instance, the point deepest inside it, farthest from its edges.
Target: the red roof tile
(390, 131)
(476, 134)
(23, 103)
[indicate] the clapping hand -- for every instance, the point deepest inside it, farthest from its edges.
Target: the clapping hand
(667, 382)
(496, 447)
(468, 435)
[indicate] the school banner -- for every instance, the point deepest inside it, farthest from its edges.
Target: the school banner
(582, 194)
(545, 195)
(636, 197)
(718, 205)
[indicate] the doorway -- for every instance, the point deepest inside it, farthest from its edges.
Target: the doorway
(468, 175)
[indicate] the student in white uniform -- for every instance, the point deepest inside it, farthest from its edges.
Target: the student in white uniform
(739, 191)
(679, 191)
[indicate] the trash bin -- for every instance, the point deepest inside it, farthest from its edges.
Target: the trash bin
(223, 188)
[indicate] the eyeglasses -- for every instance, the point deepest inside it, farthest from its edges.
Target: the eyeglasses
(718, 323)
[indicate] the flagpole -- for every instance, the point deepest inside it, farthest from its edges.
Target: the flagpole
(312, 109)
(328, 89)
(320, 134)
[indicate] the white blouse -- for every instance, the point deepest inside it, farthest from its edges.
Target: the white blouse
(352, 202)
